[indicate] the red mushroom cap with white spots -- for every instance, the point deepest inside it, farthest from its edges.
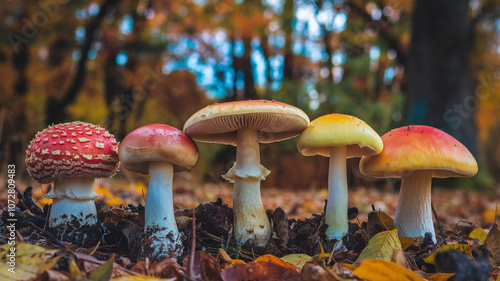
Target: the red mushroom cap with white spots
(74, 149)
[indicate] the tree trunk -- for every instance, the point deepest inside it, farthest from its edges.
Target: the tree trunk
(56, 107)
(441, 89)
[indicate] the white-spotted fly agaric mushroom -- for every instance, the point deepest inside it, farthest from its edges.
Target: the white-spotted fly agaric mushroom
(159, 150)
(417, 154)
(339, 137)
(245, 124)
(72, 155)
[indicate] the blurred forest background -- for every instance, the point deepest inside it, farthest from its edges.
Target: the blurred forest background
(124, 64)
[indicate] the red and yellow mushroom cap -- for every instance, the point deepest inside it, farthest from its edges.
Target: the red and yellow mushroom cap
(419, 147)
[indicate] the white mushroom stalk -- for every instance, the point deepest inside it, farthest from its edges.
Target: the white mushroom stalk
(413, 213)
(159, 218)
(73, 198)
(250, 218)
(336, 209)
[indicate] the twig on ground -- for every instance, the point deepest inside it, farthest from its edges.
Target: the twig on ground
(193, 246)
(438, 223)
(49, 236)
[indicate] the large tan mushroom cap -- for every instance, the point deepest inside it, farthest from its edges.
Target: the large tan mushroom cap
(218, 123)
(157, 143)
(339, 130)
(414, 148)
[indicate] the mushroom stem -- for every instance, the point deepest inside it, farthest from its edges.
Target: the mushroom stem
(336, 209)
(413, 213)
(159, 218)
(250, 218)
(72, 198)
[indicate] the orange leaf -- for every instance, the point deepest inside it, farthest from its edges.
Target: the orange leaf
(382, 270)
(349, 266)
(227, 258)
(260, 271)
(276, 260)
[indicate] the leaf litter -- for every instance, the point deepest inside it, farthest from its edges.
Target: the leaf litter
(297, 250)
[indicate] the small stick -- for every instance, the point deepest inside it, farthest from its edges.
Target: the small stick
(438, 223)
(331, 255)
(193, 246)
(48, 235)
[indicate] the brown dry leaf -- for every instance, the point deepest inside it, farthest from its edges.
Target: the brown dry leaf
(225, 257)
(440, 276)
(205, 267)
(479, 234)
(53, 275)
(399, 258)
(257, 271)
(30, 261)
(465, 249)
(276, 260)
(493, 242)
(313, 272)
(298, 260)
(141, 278)
(165, 268)
(88, 264)
(382, 270)
(340, 272)
(381, 246)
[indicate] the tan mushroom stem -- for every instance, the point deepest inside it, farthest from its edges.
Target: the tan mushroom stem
(250, 218)
(413, 213)
(159, 218)
(336, 209)
(72, 198)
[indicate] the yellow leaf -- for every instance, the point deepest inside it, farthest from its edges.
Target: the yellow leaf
(386, 220)
(276, 260)
(407, 242)
(298, 260)
(29, 261)
(104, 271)
(228, 259)
(479, 234)
(349, 266)
(440, 276)
(466, 249)
(74, 271)
(321, 255)
(382, 270)
(381, 246)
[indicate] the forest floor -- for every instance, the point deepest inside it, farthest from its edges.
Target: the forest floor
(460, 212)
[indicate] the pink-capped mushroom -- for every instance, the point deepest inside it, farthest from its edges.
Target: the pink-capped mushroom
(159, 150)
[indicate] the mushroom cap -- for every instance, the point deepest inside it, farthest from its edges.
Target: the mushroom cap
(339, 130)
(74, 149)
(218, 123)
(414, 148)
(158, 143)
